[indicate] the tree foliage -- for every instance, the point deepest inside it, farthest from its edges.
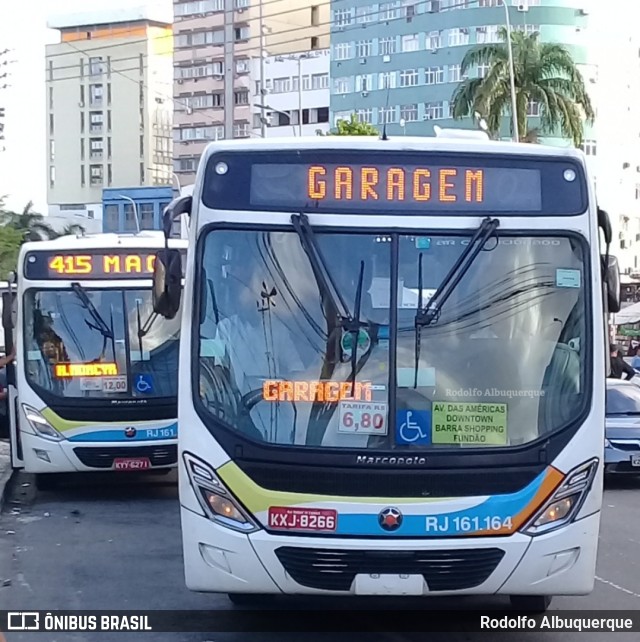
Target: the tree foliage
(352, 127)
(544, 73)
(19, 227)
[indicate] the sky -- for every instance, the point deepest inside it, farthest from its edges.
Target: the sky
(23, 170)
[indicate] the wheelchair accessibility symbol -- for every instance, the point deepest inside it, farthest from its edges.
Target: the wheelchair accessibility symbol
(144, 384)
(413, 427)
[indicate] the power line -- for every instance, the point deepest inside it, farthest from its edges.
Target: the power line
(463, 4)
(352, 27)
(199, 17)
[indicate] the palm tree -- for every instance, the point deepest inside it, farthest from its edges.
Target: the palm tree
(33, 226)
(544, 73)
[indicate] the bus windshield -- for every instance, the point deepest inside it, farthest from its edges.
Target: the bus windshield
(504, 363)
(91, 343)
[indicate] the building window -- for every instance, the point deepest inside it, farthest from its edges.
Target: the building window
(50, 97)
(199, 70)
(96, 94)
(82, 149)
(315, 16)
(458, 36)
(366, 14)
(315, 42)
(434, 75)
(434, 40)
(240, 130)
(146, 216)
(241, 97)
(320, 81)
(51, 70)
(488, 34)
(388, 11)
(51, 127)
(242, 66)
(533, 108)
(343, 51)
(52, 150)
(199, 101)
(83, 180)
(96, 66)
(241, 33)
(409, 113)
(52, 176)
(387, 115)
(409, 78)
(342, 85)
(205, 132)
(589, 147)
(96, 173)
(410, 42)
(482, 70)
(96, 148)
(387, 46)
(111, 218)
(455, 73)
(109, 174)
(143, 174)
(281, 85)
(185, 164)
(489, 3)
(364, 82)
(130, 223)
(96, 122)
(434, 111)
(342, 17)
(365, 115)
(387, 80)
(364, 48)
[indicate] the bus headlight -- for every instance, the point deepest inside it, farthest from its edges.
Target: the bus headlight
(216, 501)
(40, 425)
(562, 507)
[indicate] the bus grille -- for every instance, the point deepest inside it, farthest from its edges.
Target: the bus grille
(103, 457)
(335, 569)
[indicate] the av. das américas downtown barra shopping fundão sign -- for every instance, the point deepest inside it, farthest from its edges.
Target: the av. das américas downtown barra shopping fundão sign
(322, 621)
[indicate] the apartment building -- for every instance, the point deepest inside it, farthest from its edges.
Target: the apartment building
(216, 45)
(398, 62)
(296, 102)
(109, 113)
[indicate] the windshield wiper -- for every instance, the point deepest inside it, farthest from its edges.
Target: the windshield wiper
(450, 282)
(348, 322)
(101, 325)
(143, 330)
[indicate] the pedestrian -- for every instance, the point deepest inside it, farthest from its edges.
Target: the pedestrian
(4, 361)
(619, 365)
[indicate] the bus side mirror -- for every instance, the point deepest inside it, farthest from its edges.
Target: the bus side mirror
(612, 283)
(605, 225)
(167, 282)
(177, 207)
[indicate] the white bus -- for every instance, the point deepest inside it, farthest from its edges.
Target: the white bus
(392, 379)
(94, 385)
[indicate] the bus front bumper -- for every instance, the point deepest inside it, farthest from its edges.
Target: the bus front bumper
(47, 456)
(221, 560)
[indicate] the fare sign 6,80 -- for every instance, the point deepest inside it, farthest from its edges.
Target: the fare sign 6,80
(302, 519)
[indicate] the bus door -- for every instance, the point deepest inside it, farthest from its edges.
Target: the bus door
(9, 314)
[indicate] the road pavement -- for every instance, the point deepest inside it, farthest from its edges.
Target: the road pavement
(115, 544)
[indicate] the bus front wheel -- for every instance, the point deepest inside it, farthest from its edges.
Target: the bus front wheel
(530, 603)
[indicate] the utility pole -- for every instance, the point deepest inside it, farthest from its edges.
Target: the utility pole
(229, 69)
(263, 92)
(3, 79)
